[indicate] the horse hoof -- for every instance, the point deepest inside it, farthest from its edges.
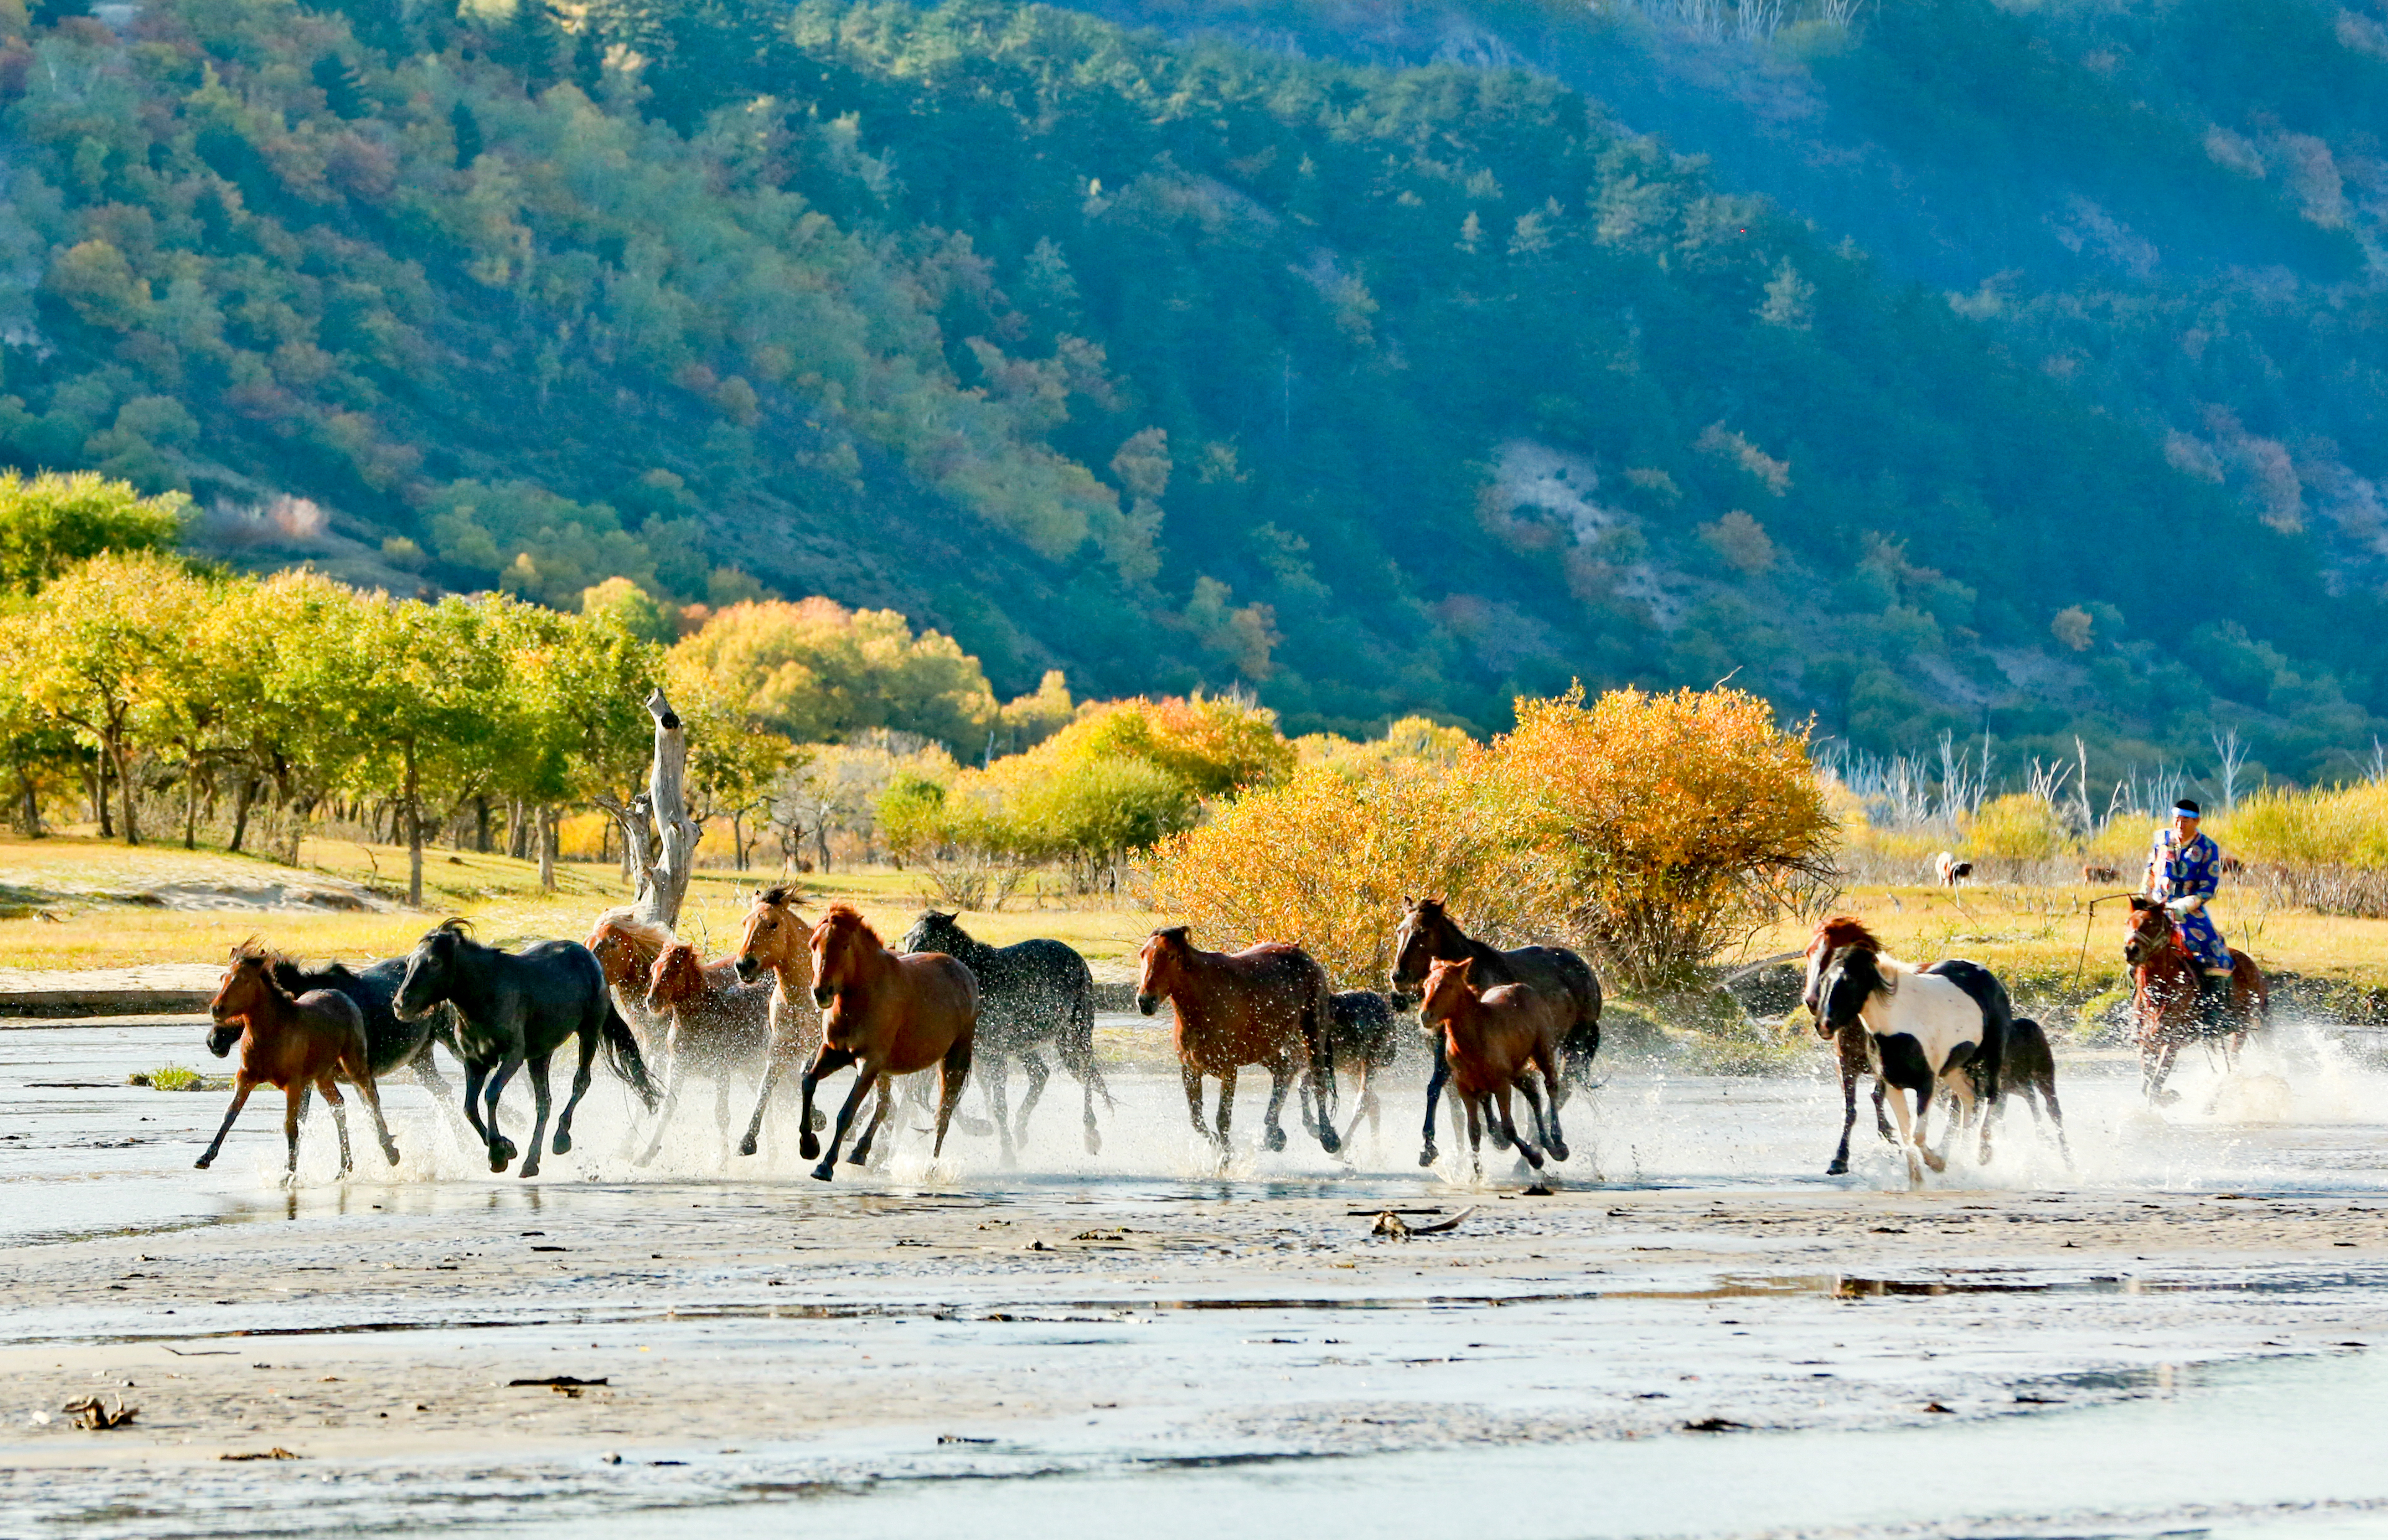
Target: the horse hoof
(203, 1163)
(808, 1147)
(745, 1146)
(1427, 1156)
(1838, 1169)
(1935, 1162)
(496, 1167)
(501, 1153)
(1558, 1150)
(1094, 1142)
(1275, 1140)
(529, 1168)
(562, 1145)
(825, 1171)
(1331, 1141)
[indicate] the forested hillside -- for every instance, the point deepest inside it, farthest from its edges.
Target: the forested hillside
(1178, 361)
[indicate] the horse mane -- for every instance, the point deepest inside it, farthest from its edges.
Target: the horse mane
(1176, 935)
(845, 917)
(784, 896)
(1843, 930)
(1867, 966)
(455, 924)
(623, 922)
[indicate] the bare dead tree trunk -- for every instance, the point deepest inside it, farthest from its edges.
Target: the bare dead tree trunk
(661, 852)
(547, 839)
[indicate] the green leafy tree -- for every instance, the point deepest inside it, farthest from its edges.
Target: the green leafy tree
(51, 521)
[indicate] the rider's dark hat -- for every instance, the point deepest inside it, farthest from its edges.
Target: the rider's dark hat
(2186, 805)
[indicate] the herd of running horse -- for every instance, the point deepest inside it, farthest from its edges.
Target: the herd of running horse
(820, 996)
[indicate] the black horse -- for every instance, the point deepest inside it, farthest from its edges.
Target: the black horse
(517, 1008)
(1028, 994)
(1429, 934)
(1364, 1034)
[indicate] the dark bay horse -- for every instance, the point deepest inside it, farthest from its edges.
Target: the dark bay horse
(2165, 997)
(294, 1043)
(514, 1008)
(1849, 1040)
(712, 1022)
(892, 1014)
(1029, 993)
(1268, 1005)
(1493, 1040)
(1363, 1038)
(1429, 934)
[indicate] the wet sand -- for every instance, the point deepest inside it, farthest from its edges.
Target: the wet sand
(763, 1337)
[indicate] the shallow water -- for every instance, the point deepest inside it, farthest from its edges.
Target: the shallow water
(1529, 1369)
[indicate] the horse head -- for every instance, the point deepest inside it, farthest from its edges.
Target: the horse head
(240, 997)
(1448, 984)
(1853, 977)
(2152, 930)
(1424, 924)
(933, 932)
(678, 975)
(427, 982)
(840, 944)
(774, 933)
(1832, 933)
(1159, 967)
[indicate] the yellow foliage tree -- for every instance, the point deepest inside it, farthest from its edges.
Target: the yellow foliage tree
(2017, 827)
(816, 671)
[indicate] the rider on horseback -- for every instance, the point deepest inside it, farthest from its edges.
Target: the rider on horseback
(2184, 869)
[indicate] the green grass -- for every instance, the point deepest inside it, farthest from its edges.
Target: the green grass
(174, 1077)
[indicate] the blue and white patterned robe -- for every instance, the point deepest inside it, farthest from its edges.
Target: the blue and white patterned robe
(2177, 871)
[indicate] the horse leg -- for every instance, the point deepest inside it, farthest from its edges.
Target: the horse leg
(339, 1121)
(1525, 1146)
(501, 1149)
(581, 1075)
(1280, 1086)
(538, 1100)
(1898, 1100)
(1475, 1136)
(827, 1170)
(1194, 1099)
(1923, 1121)
(1365, 1103)
(860, 1153)
(996, 1072)
(435, 1085)
(371, 1093)
(1546, 1129)
(1849, 1118)
(1033, 1062)
(672, 1073)
(1227, 1107)
(294, 1109)
(952, 1074)
(775, 1064)
(1434, 1084)
(242, 1085)
(829, 1061)
(2056, 1117)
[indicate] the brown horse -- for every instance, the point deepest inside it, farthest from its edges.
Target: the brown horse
(1494, 1040)
(1849, 1041)
(627, 947)
(2165, 997)
(1267, 1005)
(893, 1013)
(778, 941)
(1429, 934)
(292, 1043)
(716, 1022)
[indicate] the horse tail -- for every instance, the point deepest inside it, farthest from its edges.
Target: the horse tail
(1077, 1043)
(622, 1052)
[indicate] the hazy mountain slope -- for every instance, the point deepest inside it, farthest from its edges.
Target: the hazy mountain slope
(1167, 363)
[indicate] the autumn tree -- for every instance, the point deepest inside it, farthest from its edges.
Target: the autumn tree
(50, 521)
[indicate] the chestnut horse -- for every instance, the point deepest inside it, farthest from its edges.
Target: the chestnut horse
(1492, 1039)
(627, 947)
(1849, 1041)
(778, 941)
(893, 1013)
(1429, 934)
(715, 1023)
(1267, 1005)
(2165, 997)
(292, 1043)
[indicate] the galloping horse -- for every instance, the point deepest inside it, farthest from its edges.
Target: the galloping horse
(1849, 1041)
(1427, 934)
(1492, 1040)
(777, 940)
(392, 1042)
(1945, 1025)
(291, 1043)
(892, 1014)
(1028, 993)
(2165, 997)
(627, 947)
(517, 1008)
(715, 1023)
(1363, 1038)
(1268, 1005)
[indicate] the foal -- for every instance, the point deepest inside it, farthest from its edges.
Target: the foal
(1493, 1040)
(291, 1043)
(714, 1020)
(893, 1013)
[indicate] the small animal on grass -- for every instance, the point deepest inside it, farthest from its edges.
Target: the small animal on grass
(1427, 934)
(1948, 871)
(2166, 1004)
(392, 1042)
(1268, 1005)
(2098, 874)
(778, 940)
(1928, 1029)
(2232, 866)
(514, 1008)
(713, 1022)
(292, 1043)
(1030, 993)
(1493, 1040)
(891, 1014)
(1366, 1037)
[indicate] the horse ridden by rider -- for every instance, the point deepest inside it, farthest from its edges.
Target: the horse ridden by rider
(2184, 871)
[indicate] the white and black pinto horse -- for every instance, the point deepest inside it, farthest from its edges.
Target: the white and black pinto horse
(1926, 1029)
